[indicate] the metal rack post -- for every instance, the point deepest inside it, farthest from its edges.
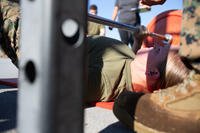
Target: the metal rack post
(52, 66)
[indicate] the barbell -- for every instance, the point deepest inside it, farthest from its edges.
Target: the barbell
(130, 28)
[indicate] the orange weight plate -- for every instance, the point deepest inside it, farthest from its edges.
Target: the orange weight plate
(168, 22)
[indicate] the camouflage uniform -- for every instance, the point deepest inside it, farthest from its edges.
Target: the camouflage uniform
(190, 35)
(9, 29)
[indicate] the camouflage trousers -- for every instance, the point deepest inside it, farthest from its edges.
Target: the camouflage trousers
(9, 30)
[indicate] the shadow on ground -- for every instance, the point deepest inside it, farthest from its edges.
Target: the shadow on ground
(8, 108)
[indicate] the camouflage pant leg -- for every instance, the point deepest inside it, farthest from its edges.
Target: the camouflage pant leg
(190, 35)
(2, 53)
(9, 27)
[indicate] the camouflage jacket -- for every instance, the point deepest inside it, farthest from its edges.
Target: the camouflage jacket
(190, 34)
(9, 29)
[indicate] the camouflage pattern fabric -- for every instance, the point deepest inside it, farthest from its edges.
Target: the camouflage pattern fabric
(190, 35)
(9, 29)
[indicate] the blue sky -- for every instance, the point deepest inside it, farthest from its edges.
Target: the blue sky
(105, 9)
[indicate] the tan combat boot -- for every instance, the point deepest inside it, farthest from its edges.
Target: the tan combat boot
(174, 110)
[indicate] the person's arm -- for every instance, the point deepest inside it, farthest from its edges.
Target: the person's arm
(152, 2)
(102, 31)
(139, 37)
(115, 12)
(141, 5)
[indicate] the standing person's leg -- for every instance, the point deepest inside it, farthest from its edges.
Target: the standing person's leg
(131, 38)
(124, 36)
(131, 34)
